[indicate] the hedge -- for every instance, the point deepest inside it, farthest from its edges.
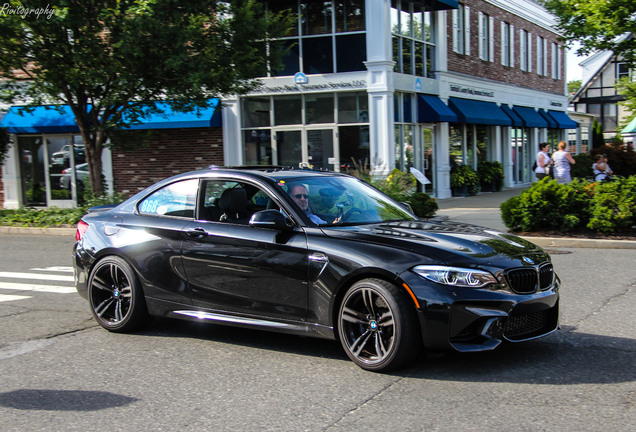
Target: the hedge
(608, 207)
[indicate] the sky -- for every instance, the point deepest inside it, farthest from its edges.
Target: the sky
(574, 71)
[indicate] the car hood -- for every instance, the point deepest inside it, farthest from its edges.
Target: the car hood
(451, 242)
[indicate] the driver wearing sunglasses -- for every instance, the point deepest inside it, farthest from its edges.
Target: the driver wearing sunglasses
(300, 195)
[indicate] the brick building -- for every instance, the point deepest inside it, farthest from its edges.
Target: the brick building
(395, 83)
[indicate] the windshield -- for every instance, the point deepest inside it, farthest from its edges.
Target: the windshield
(341, 200)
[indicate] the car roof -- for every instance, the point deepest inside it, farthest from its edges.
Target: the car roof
(271, 172)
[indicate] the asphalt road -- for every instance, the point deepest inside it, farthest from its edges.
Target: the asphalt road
(60, 372)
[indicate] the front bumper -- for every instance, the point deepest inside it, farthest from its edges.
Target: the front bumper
(468, 320)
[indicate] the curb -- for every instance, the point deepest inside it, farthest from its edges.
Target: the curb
(56, 231)
(559, 242)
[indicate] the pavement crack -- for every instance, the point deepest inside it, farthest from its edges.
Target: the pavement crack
(364, 403)
(606, 303)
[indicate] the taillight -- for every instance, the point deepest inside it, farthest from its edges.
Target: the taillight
(82, 227)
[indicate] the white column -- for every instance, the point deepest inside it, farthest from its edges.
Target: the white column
(232, 140)
(11, 177)
(442, 160)
(380, 86)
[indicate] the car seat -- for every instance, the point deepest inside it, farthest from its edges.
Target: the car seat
(233, 202)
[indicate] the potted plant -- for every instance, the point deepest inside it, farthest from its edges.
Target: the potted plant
(464, 181)
(490, 176)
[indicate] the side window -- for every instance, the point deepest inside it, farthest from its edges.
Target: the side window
(231, 201)
(177, 200)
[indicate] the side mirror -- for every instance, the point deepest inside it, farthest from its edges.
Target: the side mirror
(271, 219)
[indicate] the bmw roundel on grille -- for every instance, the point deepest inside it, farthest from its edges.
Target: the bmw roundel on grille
(528, 260)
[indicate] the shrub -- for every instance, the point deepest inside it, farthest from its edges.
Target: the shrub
(613, 206)
(608, 207)
(548, 205)
(583, 167)
(423, 205)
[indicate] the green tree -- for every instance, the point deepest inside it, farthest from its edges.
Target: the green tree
(598, 140)
(627, 88)
(597, 25)
(110, 60)
(574, 86)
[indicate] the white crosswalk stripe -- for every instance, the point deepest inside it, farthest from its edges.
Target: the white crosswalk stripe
(34, 285)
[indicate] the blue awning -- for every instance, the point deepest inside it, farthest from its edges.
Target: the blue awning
(208, 117)
(516, 120)
(552, 124)
(478, 112)
(563, 120)
(40, 119)
(438, 4)
(432, 109)
(60, 119)
(530, 117)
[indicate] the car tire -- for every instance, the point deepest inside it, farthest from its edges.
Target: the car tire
(377, 326)
(115, 295)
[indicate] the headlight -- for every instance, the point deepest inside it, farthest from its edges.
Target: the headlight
(455, 276)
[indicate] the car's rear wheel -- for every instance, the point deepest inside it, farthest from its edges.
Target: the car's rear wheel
(377, 325)
(115, 296)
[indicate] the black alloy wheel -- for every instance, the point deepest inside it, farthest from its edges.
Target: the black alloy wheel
(115, 296)
(377, 326)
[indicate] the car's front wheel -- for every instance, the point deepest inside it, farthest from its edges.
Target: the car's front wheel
(115, 296)
(377, 325)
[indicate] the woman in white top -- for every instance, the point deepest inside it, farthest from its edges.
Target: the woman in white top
(543, 160)
(562, 161)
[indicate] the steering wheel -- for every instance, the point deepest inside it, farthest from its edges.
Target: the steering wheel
(351, 212)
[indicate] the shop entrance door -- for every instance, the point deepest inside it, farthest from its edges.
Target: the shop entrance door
(306, 147)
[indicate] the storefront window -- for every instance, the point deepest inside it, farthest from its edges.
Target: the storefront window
(319, 108)
(316, 17)
(256, 112)
(353, 108)
(258, 147)
(354, 147)
(349, 15)
(456, 138)
(318, 40)
(287, 110)
(351, 52)
(482, 143)
(317, 55)
(413, 44)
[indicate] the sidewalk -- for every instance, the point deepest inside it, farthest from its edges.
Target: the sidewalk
(483, 209)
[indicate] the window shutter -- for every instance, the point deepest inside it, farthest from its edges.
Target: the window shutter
(467, 32)
(456, 33)
(512, 46)
(480, 26)
(529, 52)
(503, 45)
(491, 39)
(545, 57)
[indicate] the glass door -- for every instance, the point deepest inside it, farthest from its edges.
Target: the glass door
(288, 148)
(32, 174)
(428, 164)
(320, 149)
(305, 147)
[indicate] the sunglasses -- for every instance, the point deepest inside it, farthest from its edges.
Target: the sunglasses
(299, 196)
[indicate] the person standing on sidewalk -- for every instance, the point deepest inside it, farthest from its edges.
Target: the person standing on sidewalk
(543, 161)
(562, 160)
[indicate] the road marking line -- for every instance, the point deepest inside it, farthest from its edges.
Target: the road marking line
(63, 269)
(51, 277)
(37, 288)
(4, 297)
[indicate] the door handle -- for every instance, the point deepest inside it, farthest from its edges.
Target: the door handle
(198, 233)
